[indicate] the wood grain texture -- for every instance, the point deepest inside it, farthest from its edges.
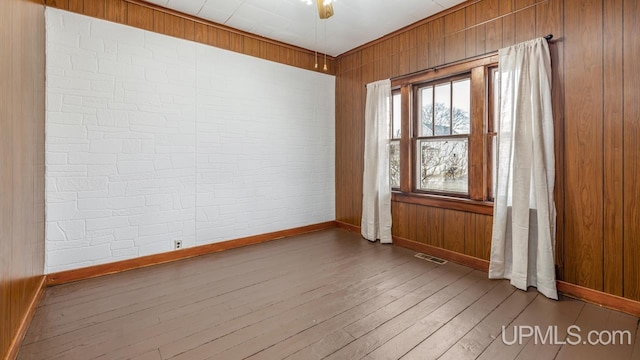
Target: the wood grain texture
(454, 231)
(152, 17)
(600, 298)
(329, 295)
(140, 17)
(594, 66)
(613, 149)
(631, 139)
(583, 144)
(23, 327)
(144, 261)
(95, 8)
(22, 117)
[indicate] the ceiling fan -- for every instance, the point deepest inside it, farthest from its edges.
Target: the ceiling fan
(325, 8)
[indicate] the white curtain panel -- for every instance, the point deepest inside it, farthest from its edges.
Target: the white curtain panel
(524, 215)
(376, 187)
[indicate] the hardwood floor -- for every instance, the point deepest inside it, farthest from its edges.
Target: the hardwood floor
(328, 294)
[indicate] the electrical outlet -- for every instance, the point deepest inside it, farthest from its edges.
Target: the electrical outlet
(177, 244)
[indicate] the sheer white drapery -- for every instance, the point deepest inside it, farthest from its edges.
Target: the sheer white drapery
(524, 215)
(376, 188)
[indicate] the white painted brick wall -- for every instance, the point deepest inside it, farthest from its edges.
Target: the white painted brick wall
(152, 139)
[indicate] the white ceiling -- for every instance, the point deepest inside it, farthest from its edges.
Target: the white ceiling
(355, 22)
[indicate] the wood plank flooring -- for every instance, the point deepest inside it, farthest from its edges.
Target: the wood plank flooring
(328, 294)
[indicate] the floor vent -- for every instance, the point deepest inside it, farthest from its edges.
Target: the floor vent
(430, 258)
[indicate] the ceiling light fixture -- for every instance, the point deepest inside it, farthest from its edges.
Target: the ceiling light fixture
(325, 11)
(325, 7)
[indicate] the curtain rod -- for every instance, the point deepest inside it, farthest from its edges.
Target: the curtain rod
(546, 37)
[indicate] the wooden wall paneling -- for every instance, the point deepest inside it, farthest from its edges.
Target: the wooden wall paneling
(422, 39)
(505, 7)
(95, 8)
(269, 51)
(404, 52)
(149, 16)
(454, 232)
(521, 4)
(508, 30)
(236, 43)
(436, 42)
(412, 52)
(307, 61)
(7, 328)
(436, 226)
(395, 64)
(288, 56)
(398, 219)
(212, 39)
(525, 24)
(158, 21)
(421, 224)
(583, 140)
(487, 10)
(251, 46)
(140, 16)
(613, 148)
(490, 33)
(454, 41)
(484, 225)
(631, 138)
(201, 33)
(412, 215)
(471, 32)
(356, 139)
(174, 26)
(493, 35)
(76, 6)
(549, 20)
(224, 39)
(21, 166)
(60, 4)
(469, 233)
(189, 30)
(383, 65)
(115, 10)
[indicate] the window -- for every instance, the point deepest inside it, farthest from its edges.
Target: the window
(442, 136)
(394, 146)
(447, 153)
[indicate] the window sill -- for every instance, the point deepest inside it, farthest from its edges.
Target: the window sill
(444, 202)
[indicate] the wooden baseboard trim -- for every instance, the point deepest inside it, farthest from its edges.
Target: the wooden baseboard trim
(610, 301)
(347, 226)
(462, 259)
(596, 297)
(64, 277)
(14, 348)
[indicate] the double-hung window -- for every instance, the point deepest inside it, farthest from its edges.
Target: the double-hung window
(442, 135)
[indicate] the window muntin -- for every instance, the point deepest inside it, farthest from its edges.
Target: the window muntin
(442, 140)
(469, 134)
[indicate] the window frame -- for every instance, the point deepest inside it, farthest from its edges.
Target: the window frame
(415, 135)
(478, 199)
(392, 138)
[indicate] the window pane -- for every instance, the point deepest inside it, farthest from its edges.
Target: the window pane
(461, 104)
(426, 116)
(443, 165)
(443, 109)
(394, 163)
(397, 117)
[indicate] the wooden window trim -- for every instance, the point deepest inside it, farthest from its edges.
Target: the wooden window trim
(445, 202)
(477, 200)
